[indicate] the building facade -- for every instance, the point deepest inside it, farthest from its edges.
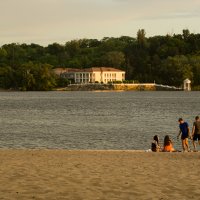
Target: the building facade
(187, 85)
(92, 75)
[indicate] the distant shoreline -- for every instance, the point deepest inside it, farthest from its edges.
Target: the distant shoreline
(105, 88)
(120, 87)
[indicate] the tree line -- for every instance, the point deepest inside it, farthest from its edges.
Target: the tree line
(164, 59)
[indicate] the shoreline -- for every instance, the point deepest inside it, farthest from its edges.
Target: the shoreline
(98, 174)
(121, 87)
(117, 87)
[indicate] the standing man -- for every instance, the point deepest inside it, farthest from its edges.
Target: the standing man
(196, 132)
(185, 133)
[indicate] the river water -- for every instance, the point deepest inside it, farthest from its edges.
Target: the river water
(93, 120)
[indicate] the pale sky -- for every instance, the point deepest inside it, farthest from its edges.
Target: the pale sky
(47, 21)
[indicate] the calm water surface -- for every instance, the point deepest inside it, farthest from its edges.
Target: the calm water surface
(92, 120)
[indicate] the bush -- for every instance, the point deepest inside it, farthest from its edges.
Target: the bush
(62, 82)
(196, 88)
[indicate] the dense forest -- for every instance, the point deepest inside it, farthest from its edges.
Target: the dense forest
(164, 59)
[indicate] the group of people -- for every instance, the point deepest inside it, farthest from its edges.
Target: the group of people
(185, 135)
(167, 145)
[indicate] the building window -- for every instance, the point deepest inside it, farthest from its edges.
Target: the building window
(114, 75)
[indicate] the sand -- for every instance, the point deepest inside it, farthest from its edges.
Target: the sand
(103, 175)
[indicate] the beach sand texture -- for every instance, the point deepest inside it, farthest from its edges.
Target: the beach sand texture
(102, 175)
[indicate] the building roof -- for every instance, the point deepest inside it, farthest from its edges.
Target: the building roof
(187, 80)
(100, 69)
(59, 71)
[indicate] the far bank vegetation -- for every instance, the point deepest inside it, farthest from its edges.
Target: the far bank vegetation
(164, 59)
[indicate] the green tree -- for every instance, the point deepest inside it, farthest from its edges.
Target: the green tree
(175, 69)
(114, 59)
(6, 77)
(45, 78)
(141, 39)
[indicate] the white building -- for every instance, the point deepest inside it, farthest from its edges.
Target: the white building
(187, 85)
(92, 75)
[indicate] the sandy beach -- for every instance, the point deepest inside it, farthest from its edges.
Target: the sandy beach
(90, 175)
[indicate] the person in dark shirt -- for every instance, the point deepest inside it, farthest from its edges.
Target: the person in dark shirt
(196, 132)
(185, 134)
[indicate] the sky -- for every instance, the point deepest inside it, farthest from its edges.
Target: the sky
(47, 21)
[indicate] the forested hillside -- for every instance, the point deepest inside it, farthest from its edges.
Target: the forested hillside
(164, 59)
